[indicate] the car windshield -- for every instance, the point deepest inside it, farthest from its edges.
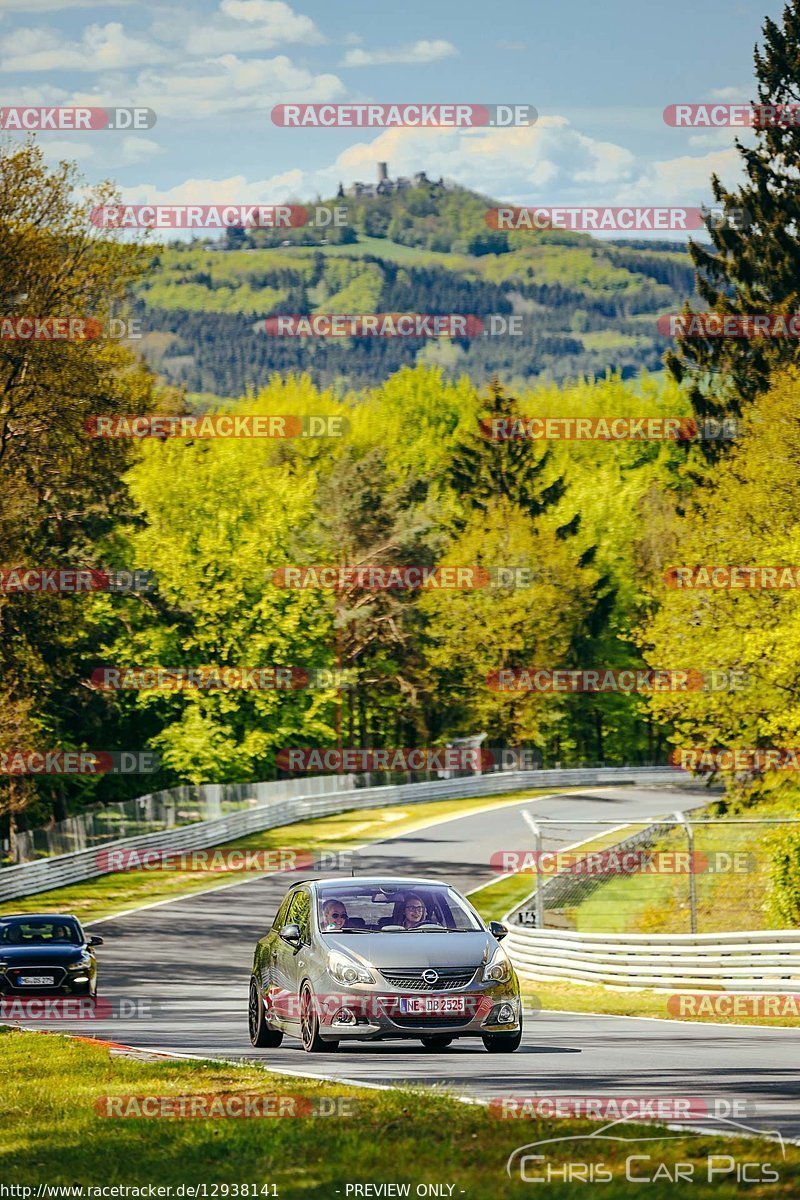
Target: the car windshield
(388, 907)
(36, 931)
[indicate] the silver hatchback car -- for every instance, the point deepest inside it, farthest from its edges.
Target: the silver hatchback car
(373, 958)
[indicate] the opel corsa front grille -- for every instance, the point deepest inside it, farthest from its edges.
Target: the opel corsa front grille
(410, 979)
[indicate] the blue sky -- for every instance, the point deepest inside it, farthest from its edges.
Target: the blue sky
(599, 75)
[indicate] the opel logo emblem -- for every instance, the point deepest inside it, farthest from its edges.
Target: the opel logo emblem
(430, 976)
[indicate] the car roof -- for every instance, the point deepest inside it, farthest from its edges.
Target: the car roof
(374, 880)
(46, 916)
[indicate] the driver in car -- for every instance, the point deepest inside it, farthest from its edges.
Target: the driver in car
(334, 916)
(414, 912)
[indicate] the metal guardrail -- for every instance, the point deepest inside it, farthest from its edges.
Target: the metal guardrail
(26, 879)
(760, 960)
(167, 809)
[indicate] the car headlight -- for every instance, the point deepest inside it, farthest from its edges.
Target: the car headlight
(498, 968)
(346, 971)
(80, 965)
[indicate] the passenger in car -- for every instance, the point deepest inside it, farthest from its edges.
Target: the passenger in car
(414, 911)
(334, 915)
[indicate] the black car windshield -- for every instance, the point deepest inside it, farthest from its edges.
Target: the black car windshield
(39, 931)
(388, 907)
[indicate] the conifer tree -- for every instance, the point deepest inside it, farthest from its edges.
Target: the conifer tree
(753, 265)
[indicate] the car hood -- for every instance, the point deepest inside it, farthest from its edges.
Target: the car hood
(415, 949)
(20, 956)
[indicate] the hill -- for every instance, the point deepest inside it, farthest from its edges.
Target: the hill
(587, 306)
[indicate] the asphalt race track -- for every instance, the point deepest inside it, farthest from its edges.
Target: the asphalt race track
(186, 964)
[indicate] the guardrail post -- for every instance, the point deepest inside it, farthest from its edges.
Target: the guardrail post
(539, 895)
(683, 820)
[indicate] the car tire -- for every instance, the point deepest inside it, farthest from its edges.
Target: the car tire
(261, 1034)
(502, 1043)
(436, 1041)
(309, 1025)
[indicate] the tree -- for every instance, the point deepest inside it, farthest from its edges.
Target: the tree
(484, 470)
(753, 266)
(747, 514)
(61, 498)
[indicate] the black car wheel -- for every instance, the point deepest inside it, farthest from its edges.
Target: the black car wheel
(260, 1032)
(309, 1025)
(503, 1043)
(436, 1041)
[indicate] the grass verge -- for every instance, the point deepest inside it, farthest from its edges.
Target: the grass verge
(54, 1134)
(595, 998)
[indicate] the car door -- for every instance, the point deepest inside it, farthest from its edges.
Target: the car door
(265, 962)
(289, 964)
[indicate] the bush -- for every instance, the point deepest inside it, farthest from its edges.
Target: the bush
(783, 902)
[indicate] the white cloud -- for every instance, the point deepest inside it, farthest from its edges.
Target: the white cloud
(139, 149)
(247, 25)
(234, 190)
(74, 151)
(419, 54)
(102, 47)
(229, 84)
(32, 6)
(685, 180)
(550, 163)
(734, 95)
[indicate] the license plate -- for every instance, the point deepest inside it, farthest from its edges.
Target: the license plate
(439, 1005)
(36, 980)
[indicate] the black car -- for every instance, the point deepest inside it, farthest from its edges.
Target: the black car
(46, 953)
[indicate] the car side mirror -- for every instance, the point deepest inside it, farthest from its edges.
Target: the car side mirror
(94, 939)
(291, 935)
(498, 930)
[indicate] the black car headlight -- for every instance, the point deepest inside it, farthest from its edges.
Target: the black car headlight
(347, 971)
(498, 969)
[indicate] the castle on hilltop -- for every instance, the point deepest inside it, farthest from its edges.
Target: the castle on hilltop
(386, 186)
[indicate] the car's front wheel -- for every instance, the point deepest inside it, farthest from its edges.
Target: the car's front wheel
(260, 1033)
(503, 1043)
(309, 1025)
(436, 1041)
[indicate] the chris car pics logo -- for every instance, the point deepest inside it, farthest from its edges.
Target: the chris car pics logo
(543, 1161)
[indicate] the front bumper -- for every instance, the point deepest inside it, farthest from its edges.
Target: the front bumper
(66, 983)
(375, 1012)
